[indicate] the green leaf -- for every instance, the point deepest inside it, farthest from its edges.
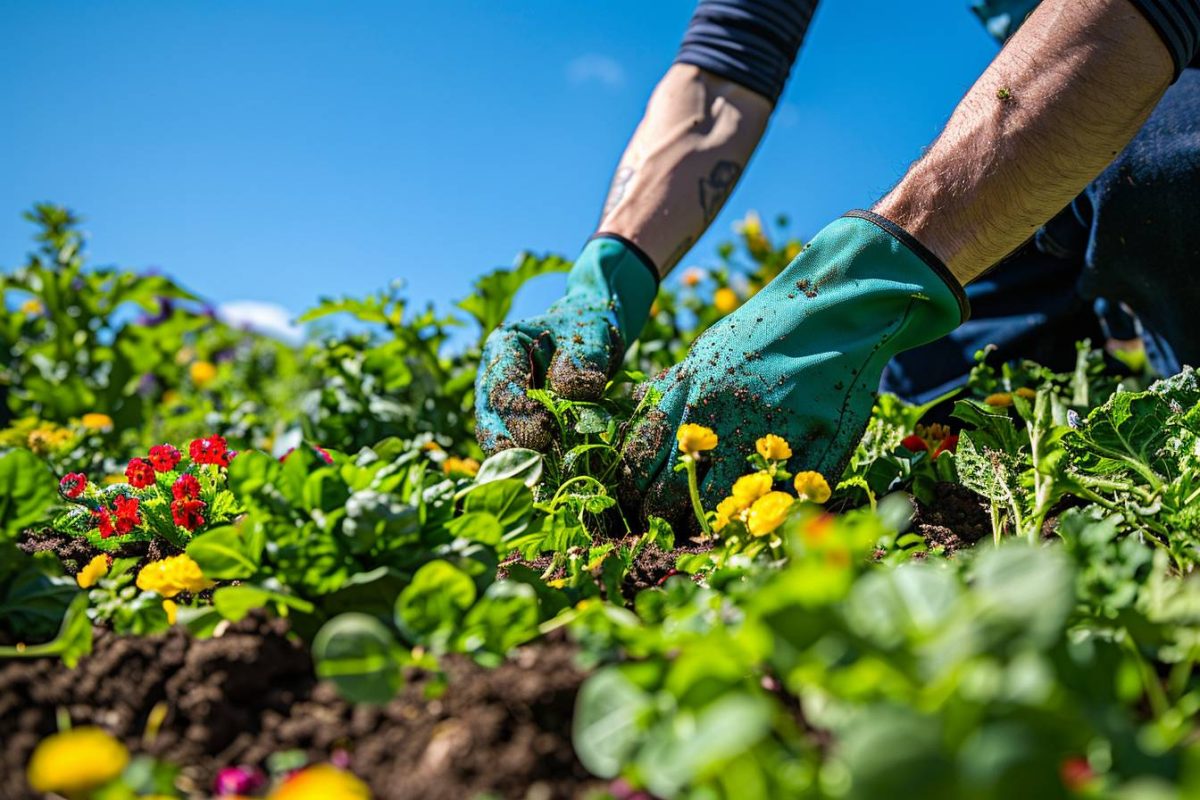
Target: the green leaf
(506, 616)
(360, 656)
(224, 553)
(435, 601)
(74, 639)
(493, 293)
(513, 463)
(508, 500)
(610, 720)
(235, 602)
(477, 526)
(27, 491)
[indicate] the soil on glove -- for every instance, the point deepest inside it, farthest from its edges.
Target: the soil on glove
(237, 698)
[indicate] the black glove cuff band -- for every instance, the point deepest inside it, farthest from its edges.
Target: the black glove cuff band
(922, 252)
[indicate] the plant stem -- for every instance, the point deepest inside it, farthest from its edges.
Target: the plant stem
(694, 491)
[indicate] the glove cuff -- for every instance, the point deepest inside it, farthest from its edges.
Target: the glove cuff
(909, 242)
(618, 269)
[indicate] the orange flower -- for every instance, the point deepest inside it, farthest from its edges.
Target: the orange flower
(464, 467)
(999, 400)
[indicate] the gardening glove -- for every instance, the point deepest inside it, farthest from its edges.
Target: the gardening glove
(801, 359)
(575, 347)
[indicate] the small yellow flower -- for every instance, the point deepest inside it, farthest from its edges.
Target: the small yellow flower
(96, 422)
(999, 399)
(728, 510)
(172, 610)
(749, 488)
(1026, 392)
(47, 439)
(726, 300)
(95, 569)
(202, 373)
(76, 761)
(695, 439)
(431, 447)
(693, 276)
(465, 467)
(171, 398)
(768, 512)
(32, 307)
(655, 309)
(773, 448)
(322, 782)
(173, 575)
(812, 486)
(793, 249)
(751, 226)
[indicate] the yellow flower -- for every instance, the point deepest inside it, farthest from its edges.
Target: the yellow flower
(171, 608)
(96, 422)
(170, 398)
(793, 250)
(726, 300)
(812, 486)
(32, 307)
(999, 399)
(768, 513)
(1026, 392)
(655, 308)
(773, 448)
(751, 226)
(47, 439)
(694, 438)
(460, 466)
(96, 569)
(76, 761)
(173, 575)
(431, 447)
(749, 488)
(202, 373)
(693, 276)
(728, 510)
(322, 782)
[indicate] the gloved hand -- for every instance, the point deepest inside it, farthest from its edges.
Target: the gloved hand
(801, 359)
(575, 347)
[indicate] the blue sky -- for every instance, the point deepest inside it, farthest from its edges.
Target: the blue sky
(279, 150)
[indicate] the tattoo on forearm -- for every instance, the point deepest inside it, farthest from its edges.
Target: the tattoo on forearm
(616, 190)
(716, 188)
(679, 252)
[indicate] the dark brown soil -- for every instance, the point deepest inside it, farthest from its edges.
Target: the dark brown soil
(75, 552)
(237, 698)
(652, 567)
(957, 518)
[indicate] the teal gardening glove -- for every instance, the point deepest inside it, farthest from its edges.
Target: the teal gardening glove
(801, 359)
(575, 347)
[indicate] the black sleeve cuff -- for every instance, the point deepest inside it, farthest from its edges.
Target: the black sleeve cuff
(1178, 23)
(750, 42)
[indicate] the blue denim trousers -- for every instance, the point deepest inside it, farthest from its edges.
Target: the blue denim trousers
(1122, 259)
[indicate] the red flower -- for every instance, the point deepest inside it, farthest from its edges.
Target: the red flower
(210, 450)
(914, 443)
(73, 484)
(128, 516)
(140, 473)
(164, 457)
(1076, 773)
(103, 521)
(186, 488)
(947, 445)
(186, 513)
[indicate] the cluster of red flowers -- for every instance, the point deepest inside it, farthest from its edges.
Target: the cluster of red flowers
(916, 444)
(73, 484)
(211, 450)
(124, 518)
(187, 507)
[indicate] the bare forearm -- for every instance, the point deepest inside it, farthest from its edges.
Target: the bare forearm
(1066, 94)
(683, 162)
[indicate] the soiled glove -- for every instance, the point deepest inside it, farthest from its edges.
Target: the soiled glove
(575, 347)
(801, 359)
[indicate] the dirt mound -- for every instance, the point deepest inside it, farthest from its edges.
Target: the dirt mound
(237, 698)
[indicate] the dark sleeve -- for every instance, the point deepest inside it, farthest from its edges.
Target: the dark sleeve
(1178, 23)
(750, 42)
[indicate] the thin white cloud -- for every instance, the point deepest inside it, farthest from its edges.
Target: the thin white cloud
(265, 318)
(595, 68)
